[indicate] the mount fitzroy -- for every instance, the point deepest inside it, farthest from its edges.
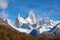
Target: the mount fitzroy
(42, 27)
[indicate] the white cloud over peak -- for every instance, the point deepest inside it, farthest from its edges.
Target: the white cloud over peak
(3, 4)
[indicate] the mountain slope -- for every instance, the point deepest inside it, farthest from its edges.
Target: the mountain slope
(53, 33)
(31, 22)
(7, 33)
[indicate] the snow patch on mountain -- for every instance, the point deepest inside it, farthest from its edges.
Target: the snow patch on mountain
(31, 18)
(10, 22)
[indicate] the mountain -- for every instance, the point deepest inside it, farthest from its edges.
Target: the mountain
(20, 20)
(31, 18)
(7, 33)
(24, 28)
(53, 33)
(32, 25)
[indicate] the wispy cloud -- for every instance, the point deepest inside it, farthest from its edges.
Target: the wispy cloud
(4, 15)
(3, 4)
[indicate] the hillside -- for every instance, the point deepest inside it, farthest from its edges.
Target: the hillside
(8, 33)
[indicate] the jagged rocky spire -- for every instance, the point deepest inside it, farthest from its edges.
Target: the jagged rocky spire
(31, 17)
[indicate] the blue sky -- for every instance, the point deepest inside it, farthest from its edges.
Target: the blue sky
(41, 8)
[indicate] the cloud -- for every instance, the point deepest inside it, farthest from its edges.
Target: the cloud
(4, 15)
(3, 4)
(48, 13)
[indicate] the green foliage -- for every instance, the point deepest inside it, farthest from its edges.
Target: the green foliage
(1, 36)
(1, 27)
(13, 37)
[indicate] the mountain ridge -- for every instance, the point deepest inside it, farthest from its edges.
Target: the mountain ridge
(27, 26)
(7, 33)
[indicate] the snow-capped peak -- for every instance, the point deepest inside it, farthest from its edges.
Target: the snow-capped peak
(21, 19)
(30, 23)
(31, 14)
(31, 17)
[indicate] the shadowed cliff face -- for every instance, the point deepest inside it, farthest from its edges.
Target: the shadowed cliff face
(33, 33)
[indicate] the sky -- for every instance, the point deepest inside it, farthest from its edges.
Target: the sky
(42, 8)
